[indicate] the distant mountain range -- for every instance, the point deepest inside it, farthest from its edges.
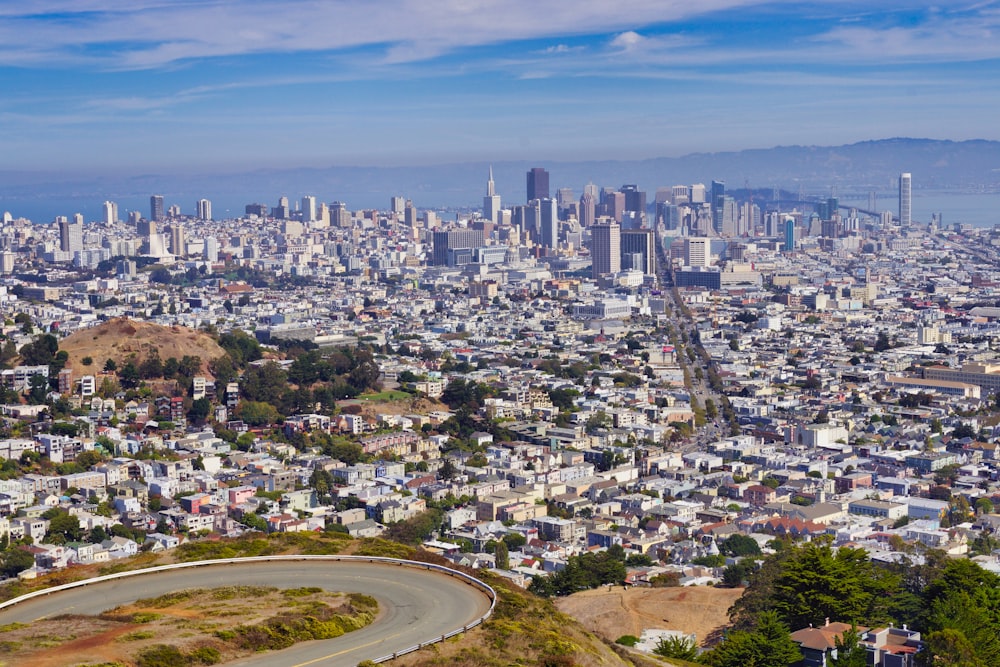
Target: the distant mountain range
(858, 168)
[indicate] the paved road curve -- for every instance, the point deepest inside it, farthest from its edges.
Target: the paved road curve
(415, 605)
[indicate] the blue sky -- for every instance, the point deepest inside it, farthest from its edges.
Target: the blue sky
(163, 85)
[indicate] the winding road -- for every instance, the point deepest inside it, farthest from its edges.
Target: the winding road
(415, 605)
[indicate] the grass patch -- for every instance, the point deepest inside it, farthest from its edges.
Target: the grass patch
(301, 592)
(167, 599)
(12, 626)
(136, 636)
(391, 395)
(250, 592)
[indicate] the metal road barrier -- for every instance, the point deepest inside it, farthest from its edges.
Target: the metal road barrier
(486, 588)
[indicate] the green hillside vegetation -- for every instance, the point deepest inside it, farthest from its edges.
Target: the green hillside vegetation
(524, 630)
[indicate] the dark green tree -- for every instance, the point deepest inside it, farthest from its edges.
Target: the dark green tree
(768, 645)
(502, 555)
(739, 545)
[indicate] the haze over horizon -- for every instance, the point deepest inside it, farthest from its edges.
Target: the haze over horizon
(156, 87)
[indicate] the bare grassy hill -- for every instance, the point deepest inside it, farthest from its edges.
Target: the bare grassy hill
(122, 338)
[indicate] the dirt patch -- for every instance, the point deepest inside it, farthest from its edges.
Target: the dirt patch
(611, 614)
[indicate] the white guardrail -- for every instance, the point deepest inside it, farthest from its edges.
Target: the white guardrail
(486, 588)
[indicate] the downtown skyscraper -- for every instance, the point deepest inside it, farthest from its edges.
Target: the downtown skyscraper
(905, 200)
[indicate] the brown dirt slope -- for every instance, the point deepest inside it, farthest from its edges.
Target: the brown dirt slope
(611, 614)
(120, 338)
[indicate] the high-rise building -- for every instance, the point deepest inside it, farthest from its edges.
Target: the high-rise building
(446, 243)
(605, 248)
(308, 208)
(211, 249)
(789, 234)
(697, 251)
(70, 235)
(339, 215)
(548, 223)
(905, 200)
(613, 204)
(282, 211)
(538, 184)
(397, 205)
(177, 240)
(681, 194)
(640, 242)
(697, 194)
(718, 205)
(635, 199)
(491, 202)
(588, 209)
(110, 213)
(156, 208)
(204, 209)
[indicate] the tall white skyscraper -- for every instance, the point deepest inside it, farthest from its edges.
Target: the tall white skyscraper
(697, 193)
(110, 213)
(204, 207)
(905, 200)
(308, 209)
(491, 202)
(605, 248)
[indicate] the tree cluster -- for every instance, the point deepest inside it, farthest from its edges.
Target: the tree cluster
(583, 572)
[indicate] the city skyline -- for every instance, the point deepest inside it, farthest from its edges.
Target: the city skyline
(162, 87)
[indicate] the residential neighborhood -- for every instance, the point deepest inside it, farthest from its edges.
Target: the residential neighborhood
(715, 400)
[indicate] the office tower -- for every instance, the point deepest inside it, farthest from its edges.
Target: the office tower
(491, 202)
(730, 216)
(145, 228)
(872, 201)
(640, 242)
(681, 194)
(397, 205)
(173, 211)
(70, 235)
(204, 209)
(538, 184)
(662, 196)
(670, 215)
(749, 219)
(718, 205)
(447, 243)
(697, 251)
(593, 191)
(548, 223)
(308, 209)
(789, 233)
(177, 240)
(905, 200)
(211, 250)
(259, 210)
(635, 199)
(78, 219)
(697, 195)
(605, 248)
(6, 262)
(339, 215)
(110, 213)
(588, 209)
(565, 197)
(613, 204)
(282, 211)
(156, 208)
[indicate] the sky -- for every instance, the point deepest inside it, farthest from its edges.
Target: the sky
(197, 85)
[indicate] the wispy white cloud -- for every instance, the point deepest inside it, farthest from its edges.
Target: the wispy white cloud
(152, 34)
